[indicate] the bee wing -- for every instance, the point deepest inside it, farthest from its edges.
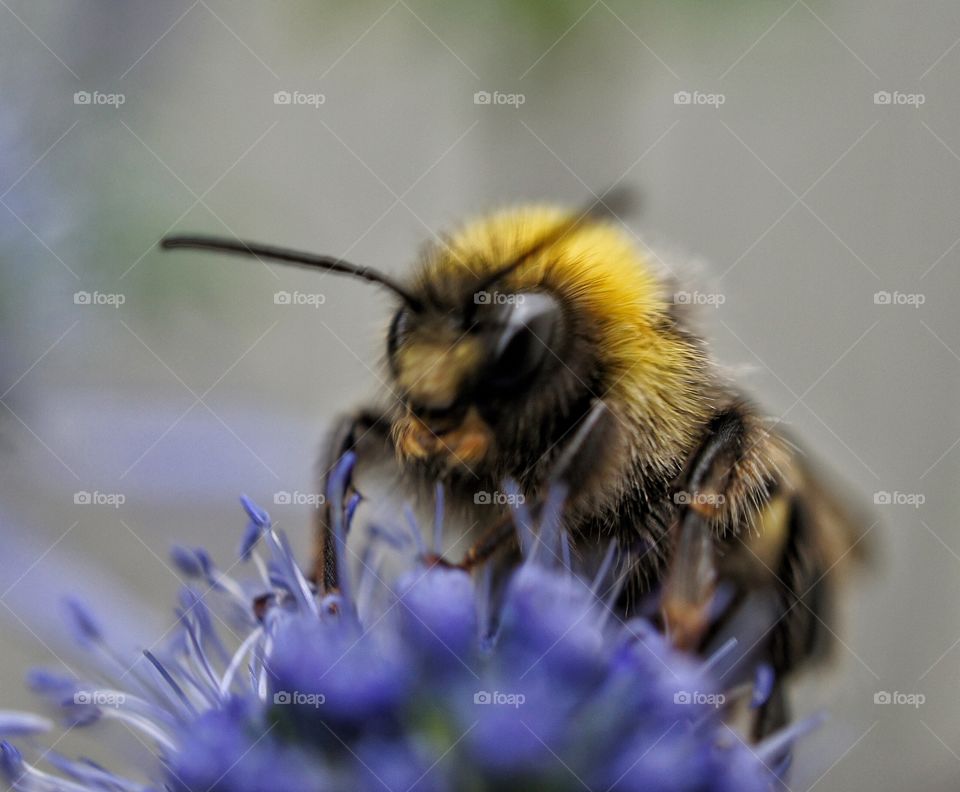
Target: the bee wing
(824, 534)
(839, 527)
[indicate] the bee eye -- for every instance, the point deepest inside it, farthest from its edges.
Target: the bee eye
(528, 331)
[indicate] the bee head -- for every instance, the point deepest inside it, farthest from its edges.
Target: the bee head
(462, 371)
(527, 318)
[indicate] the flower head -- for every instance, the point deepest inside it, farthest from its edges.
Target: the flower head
(439, 685)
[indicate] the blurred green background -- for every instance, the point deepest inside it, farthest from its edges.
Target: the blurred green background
(797, 199)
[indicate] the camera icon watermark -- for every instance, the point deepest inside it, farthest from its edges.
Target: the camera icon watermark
(499, 98)
(684, 498)
(699, 298)
(498, 498)
(913, 299)
(915, 700)
(697, 698)
(294, 98)
(296, 698)
(297, 498)
(99, 698)
(715, 100)
(114, 300)
(897, 498)
(497, 298)
(309, 299)
(98, 99)
(498, 698)
(97, 498)
(915, 100)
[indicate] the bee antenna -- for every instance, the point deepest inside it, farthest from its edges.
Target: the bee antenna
(298, 258)
(612, 202)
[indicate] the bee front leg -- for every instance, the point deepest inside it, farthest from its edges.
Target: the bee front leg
(495, 538)
(346, 436)
(571, 470)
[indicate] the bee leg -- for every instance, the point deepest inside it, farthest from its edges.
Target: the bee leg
(345, 437)
(774, 714)
(570, 470)
(691, 578)
(493, 539)
(690, 584)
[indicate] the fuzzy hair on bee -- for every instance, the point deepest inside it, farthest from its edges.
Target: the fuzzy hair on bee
(540, 346)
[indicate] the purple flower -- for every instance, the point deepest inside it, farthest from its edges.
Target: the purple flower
(431, 685)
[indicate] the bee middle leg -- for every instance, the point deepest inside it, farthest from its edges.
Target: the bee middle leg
(707, 493)
(730, 482)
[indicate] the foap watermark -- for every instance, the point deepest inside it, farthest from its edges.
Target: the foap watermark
(99, 698)
(895, 498)
(699, 298)
(499, 98)
(310, 299)
(684, 498)
(298, 699)
(97, 498)
(297, 498)
(499, 698)
(114, 300)
(497, 298)
(698, 698)
(301, 98)
(915, 700)
(899, 98)
(99, 99)
(498, 498)
(913, 299)
(714, 100)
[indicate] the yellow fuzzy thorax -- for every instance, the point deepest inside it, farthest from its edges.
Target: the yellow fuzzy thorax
(654, 374)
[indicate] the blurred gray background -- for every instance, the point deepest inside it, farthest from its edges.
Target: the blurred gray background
(802, 192)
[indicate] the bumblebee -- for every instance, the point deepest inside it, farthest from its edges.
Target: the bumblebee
(538, 345)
